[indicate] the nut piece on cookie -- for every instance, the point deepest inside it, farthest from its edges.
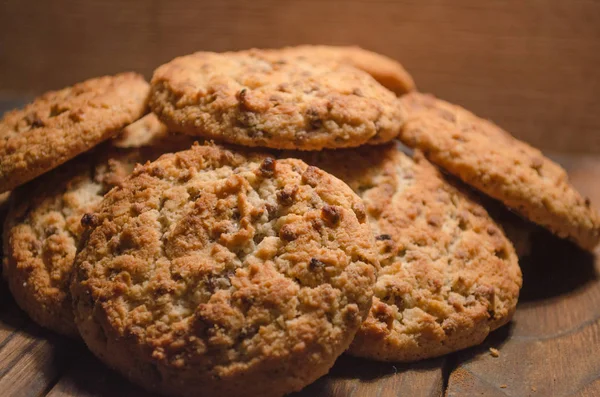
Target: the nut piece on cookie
(388, 72)
(216, 272)
(59, 125)
(494, 162)
(448, 274)
(274, 98)
(44, 225)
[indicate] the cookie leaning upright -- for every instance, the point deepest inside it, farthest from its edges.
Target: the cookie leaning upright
(491, 160)
(448, 274)
(59, 125)
(44, 222)
(274, 98)
(218, 272)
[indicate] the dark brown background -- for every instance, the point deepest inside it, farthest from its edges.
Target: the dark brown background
(533, 66)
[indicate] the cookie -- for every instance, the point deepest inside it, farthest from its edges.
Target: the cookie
(44, 227)
(217, 272)
(388, 72)
(59, 125)
(491, 160)
(448, 274)
(274, 98)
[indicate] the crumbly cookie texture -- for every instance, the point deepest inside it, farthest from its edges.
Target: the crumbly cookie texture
(44, 227)
(59, 125)
(274, 98)
(218, 272)
(448, 274)
(388, 72)
(491, 160)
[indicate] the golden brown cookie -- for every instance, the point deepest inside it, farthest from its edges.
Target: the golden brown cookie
(448, 274)
(388, 72)
(274, 98)
(59, 125)
(491, 160)
(44, 227)
(213, 272)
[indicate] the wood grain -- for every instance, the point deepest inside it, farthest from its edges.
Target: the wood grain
(31, 359)
(530, 65)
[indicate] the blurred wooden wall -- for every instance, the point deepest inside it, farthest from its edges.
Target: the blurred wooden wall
(533, 66)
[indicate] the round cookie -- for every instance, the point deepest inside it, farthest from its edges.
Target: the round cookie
(491, 160)
(448, 274)
(44, 226)
(59, 125)
(274, 98)
(212, 272)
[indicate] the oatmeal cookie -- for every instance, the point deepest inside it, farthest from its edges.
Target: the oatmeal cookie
(492, 161)
(59, 125)
(448, 274)
(214, 272)
(275, 99)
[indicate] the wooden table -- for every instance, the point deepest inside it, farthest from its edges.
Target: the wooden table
(551, 348)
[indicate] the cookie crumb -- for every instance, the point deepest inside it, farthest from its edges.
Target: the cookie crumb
(503, 386)
(494, 352)
(533, 388)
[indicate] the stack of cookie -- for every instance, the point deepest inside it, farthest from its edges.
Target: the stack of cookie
(295, 228)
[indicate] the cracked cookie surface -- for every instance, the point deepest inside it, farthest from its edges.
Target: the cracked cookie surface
(491, 160)
(274, 98)
(43, 227)
(59, 125)
(448, 274)
(221, 272)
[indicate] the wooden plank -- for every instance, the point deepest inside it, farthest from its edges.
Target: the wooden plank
(31, 359)
(530, 65)
(87, 377)
(551, 347)
(349, 377)
(355, 377)
(560, 365)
